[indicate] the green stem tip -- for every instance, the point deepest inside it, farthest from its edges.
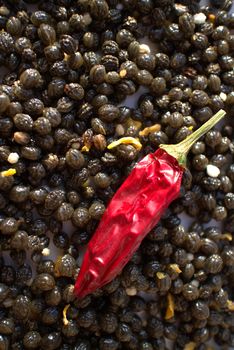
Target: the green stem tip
(181, 150)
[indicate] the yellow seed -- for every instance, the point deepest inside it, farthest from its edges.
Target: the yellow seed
(126, 140)
(85, 148)
(123, 73)
(147, 131)
(170, 307)
(190, 127)
(65, 320)
(190, 346)
(65, 57)
(8, 172)
(86, 183)
(160, 275)
(176, 268)
(227, 236)
(230, 305)
(211, 17)
(131, 122)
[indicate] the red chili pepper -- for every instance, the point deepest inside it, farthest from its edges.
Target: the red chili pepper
(134, 210)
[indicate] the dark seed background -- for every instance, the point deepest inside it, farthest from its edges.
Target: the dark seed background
(74, 75)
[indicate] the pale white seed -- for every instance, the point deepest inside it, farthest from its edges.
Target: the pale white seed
(131, 291)
(190, 256)
(119, 130)
(143, 48)
(223, 96)
(212, 170)
(199, 18)
(195, 283)
(87, 18)
(13, 158)
(46, 252)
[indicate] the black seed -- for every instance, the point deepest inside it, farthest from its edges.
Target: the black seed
(75, 159)
(214, 264)
(32, 340)
(44, 282)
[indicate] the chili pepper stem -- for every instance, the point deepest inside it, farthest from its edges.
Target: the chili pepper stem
(181, 150)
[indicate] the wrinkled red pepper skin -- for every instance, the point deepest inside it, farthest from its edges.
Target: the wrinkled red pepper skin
(133, 211)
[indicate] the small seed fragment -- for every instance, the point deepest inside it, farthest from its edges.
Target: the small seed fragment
(8, 172)
(148, 130)
(85, 148)
(176, 268)
(65, 320)
(170, 307)
(126, 140)
(227, 236)
(160, 275)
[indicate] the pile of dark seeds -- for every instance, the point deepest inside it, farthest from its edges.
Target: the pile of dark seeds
(69, 66)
